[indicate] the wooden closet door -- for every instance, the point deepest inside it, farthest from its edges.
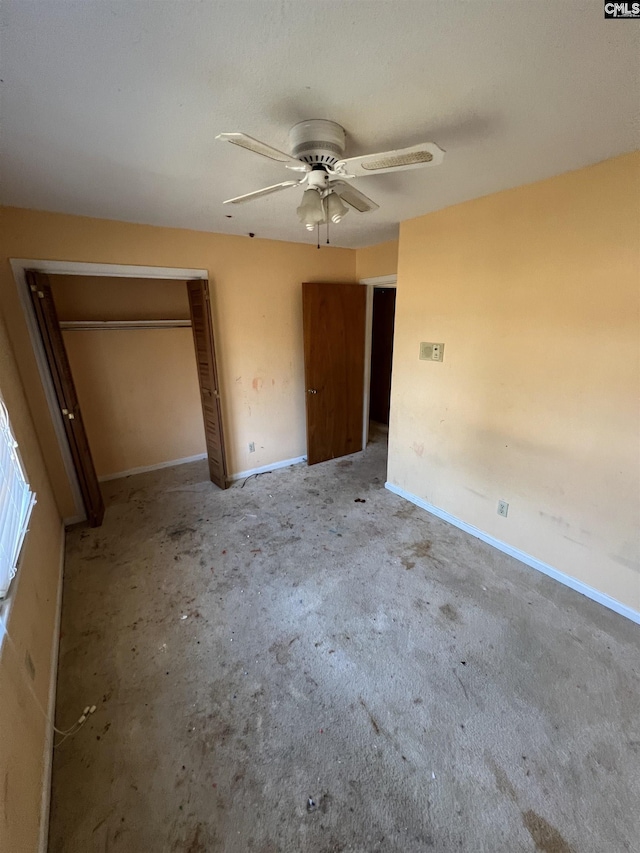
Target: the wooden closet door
(56, 354)
(199, 304)
(334, 329)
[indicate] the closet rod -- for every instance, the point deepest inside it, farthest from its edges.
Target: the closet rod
(121, 325)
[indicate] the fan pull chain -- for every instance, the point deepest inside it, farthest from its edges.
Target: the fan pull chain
(318, 235)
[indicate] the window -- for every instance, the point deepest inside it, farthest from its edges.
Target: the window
(16, 503)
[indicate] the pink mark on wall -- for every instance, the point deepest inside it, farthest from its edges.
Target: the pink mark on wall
(257, 383)
(418, 449)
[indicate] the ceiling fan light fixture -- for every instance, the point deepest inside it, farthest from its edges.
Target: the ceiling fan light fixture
(336, 210)
(311, 211)
(315, 148)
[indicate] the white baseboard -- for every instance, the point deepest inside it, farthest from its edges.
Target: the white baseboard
(144, 468)
(73, 519)
(527, 559)
(51, 712)
(284, 463)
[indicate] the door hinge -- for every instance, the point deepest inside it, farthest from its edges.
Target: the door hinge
(68, 414)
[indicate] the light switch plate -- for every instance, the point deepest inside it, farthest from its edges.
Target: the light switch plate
(431, 351)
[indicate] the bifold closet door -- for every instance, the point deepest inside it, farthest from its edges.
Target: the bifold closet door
(199, 305)
(67, 399)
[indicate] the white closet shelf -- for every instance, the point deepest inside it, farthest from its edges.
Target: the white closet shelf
(121, 325)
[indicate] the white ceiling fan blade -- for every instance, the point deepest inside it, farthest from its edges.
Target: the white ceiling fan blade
(258, 193)
(353, 197)
(415, 157)
(265, 150)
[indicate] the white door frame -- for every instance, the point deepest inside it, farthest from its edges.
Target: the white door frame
(19, 267)
(371, 284)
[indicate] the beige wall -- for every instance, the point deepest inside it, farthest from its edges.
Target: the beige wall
(377, 260)
(23, 727)
(257, 311)
(139, 397)
(535, 293)
(138, 389)
(81, 297)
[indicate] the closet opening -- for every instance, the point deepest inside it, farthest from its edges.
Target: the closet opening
(133, 375)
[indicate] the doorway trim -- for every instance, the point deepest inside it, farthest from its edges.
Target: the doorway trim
(19, 267)
(371, 284)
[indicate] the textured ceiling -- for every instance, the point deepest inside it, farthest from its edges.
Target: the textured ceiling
(110, 109)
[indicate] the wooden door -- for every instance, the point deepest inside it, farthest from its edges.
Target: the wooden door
(199, 305)
(47, 319)
(384, 309)
(334, 329)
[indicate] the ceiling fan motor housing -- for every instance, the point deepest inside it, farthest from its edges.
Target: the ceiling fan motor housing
(317, 142)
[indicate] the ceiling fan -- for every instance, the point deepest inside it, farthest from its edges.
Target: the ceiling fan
(317, 149)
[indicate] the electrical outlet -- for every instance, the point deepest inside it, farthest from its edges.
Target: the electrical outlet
(503, 508)
(431, 352)
(252, 447)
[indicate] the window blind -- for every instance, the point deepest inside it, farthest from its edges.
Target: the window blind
(16, 503)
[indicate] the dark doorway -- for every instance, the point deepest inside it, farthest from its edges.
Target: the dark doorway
(384, 309)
